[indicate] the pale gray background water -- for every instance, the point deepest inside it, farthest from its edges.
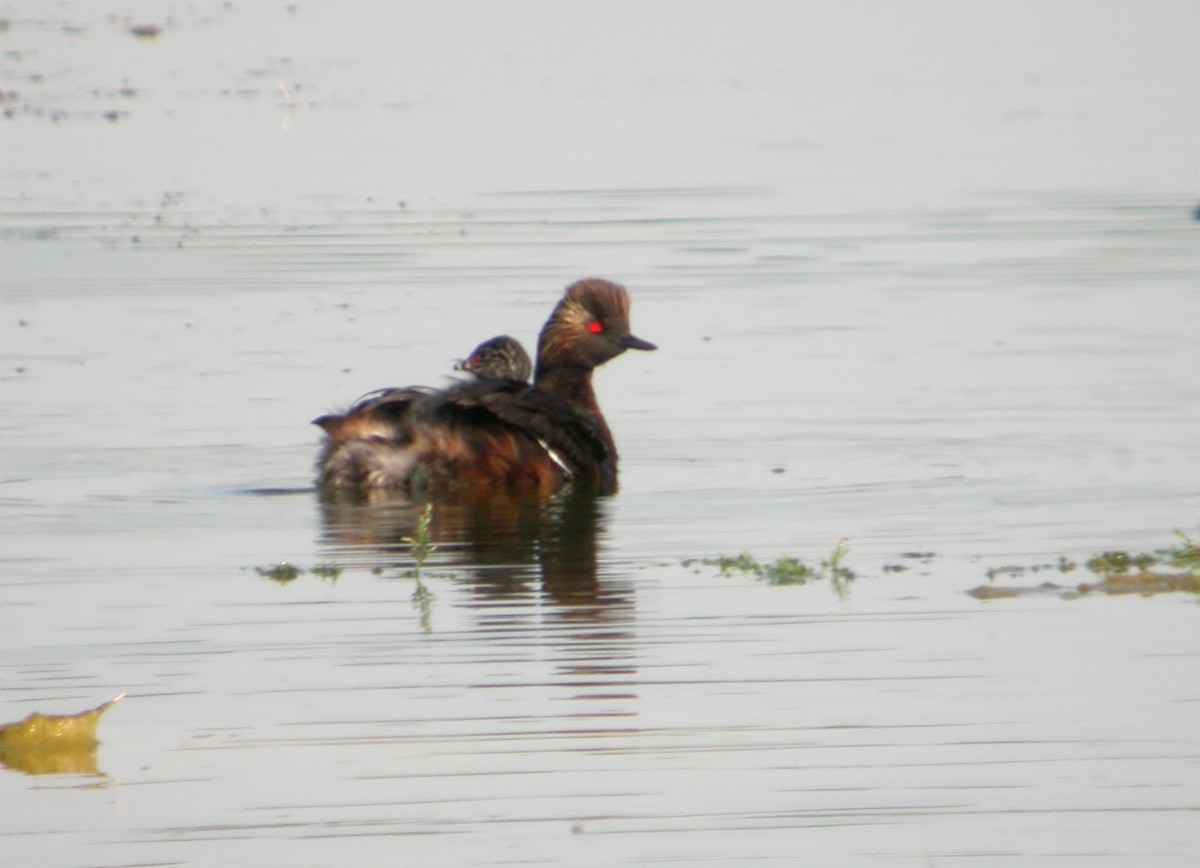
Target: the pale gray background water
(922, 275)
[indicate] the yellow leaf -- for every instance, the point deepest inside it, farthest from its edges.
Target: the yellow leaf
(43, 744)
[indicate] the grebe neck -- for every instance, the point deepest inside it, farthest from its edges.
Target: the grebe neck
(572, 385)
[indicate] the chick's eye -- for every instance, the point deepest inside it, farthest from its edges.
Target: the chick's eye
(595, 327)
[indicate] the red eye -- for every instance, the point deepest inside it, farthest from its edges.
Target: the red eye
(595, 327)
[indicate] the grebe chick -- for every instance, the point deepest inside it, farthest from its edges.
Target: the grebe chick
(500, 358)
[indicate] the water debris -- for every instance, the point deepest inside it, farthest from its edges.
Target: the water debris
(44, 744)
(1146, 584)
(918, 556)
(786, 570)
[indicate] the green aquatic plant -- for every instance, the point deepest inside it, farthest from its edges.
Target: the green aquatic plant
(329, 571)
(781, 571)
(1187, 555)
(839, 576)
(420, 547)
(1118, 563)
(1170, 570)
(786, 570)
(420, 544)
(422, 601)
(282, 572)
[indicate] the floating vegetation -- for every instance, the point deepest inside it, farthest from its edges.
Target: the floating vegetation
(920, 557)
(1063, 565)
(44, 744)
(329, 571)
(785, 570)
(1119, 563)
(282, 572)
(420, 547)
(1147, 584)
(1170, 570)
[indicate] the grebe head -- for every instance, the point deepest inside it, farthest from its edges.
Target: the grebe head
(501, 358)
(589, 326)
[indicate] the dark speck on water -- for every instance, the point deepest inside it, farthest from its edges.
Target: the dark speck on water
(145, 31)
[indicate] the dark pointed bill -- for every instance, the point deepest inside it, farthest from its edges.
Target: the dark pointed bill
(629, 342)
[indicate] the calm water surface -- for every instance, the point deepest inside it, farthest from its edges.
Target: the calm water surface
(921, 278)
